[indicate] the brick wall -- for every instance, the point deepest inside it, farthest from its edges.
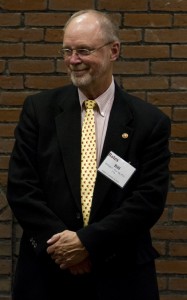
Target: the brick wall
(153, 65)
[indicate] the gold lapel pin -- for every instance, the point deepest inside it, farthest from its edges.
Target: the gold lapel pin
(125, 135)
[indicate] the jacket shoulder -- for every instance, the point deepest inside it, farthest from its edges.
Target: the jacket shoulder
(52, 94)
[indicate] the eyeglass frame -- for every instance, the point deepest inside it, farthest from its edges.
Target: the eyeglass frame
(76, 51)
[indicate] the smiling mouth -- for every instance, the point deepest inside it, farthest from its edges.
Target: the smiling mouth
(78, 72)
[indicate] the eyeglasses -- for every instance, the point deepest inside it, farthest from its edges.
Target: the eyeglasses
(81, 52)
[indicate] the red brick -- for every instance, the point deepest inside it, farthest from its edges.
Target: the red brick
(70, 4)
(163, 232)
(7, 130)
(11, 50)
(169, 67)
(60, 66)
(147, 20)
(179, 214)
(2, 66)
(169, 296)
(145, 51)
(171, 266)
(5, 286)
(177, 198)
(179, 181)
(128, 5)
(178, 284)
(31, 66)
(46, 19)
(23, 5)
(177, 249)
(147, 83)
(6, 297)
(116, 18)
(180, 114)
(3, 201)
(54, 35)
(5, 231)
(6, 145)
(6, 214)
(10, 19)
(171, 5)
(11, 82)
(178, 146)
(3, 179)
(168, 98)
(179, 51)
(45, 82)
(42, 50)
(166, 35)
(130, 35)
(162, 283)
(9, 115)
(178, 164)
(14, 98)
(18, 35)
(122, 67)
(180, 20)
(5, 248)
(4, 161)
(179, 130)
(179, 83)
(140, 94)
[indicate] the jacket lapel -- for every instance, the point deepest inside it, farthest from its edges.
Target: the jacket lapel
(68, 125)
(120, 122)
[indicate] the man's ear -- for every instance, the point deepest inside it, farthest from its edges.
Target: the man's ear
(115, 51)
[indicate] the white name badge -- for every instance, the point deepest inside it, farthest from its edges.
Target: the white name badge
(116, 169)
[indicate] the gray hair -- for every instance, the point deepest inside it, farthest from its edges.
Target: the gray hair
(109, 29)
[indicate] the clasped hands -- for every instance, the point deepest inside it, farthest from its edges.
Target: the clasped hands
(68, 252)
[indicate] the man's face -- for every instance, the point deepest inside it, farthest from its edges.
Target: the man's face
(90, 70)
(95, 68)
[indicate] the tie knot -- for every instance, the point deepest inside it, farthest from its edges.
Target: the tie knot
(90, 104)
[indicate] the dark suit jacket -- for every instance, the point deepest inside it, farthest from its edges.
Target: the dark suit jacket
(44, 181)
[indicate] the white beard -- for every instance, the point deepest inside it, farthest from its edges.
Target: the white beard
(81, 81)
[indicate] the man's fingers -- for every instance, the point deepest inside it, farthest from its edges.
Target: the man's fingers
(54, 239)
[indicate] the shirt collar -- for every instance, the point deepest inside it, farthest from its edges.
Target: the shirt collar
(102, 100)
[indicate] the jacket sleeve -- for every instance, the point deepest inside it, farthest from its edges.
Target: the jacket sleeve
(24, 192)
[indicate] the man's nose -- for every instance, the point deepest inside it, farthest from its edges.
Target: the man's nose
(74, 59)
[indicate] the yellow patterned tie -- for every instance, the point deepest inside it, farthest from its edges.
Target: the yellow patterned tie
(88, 160)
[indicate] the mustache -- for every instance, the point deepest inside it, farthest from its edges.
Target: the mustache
(77, 68)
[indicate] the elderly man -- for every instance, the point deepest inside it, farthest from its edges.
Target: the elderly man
(88, 178)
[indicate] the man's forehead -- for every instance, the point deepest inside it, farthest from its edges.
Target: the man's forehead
(82, 28)
(85, 21)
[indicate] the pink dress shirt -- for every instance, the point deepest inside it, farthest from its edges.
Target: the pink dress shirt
(102, 114)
